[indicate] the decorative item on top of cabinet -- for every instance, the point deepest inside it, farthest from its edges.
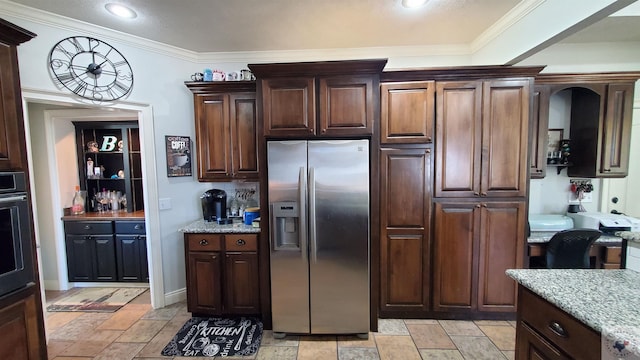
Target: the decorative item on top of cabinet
(407, 111)
(405, 232)
(222, 273)
(111, 152)
(345, 103)
(226, 124)
(13, 154)
(482, 138)
(600, 128)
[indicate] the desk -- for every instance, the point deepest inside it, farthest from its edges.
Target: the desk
(605, 252)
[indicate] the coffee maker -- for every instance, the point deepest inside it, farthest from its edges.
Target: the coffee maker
(214, 206)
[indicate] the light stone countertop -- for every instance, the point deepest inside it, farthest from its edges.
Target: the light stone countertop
(541, 237)
(605, 300)
(201, 226)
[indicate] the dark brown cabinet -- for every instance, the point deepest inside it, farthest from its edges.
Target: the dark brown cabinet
(226, 125)
(546, 332)
(405, 203)
(319, 99)
(22, 326)
(482, 138)
(407, 112)
(474, 244)
(222, 273)
(539, 132)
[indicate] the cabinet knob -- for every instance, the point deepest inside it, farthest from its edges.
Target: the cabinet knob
(484, 205)
(204, 242)
(429, 138)
(539, 170)
(240, 242)
(324, 131)
(310, 130)
(476, 193)
(477, 206)
(137, 227)
(557, 329)
(87, 227)
(483, 194)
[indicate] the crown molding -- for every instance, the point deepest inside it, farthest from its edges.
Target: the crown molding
(516, 14)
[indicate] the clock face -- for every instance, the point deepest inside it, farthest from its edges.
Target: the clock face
(91, 68)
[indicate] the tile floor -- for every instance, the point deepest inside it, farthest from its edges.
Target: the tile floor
(138, 332)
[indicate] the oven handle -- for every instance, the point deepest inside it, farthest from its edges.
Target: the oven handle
(6, 199)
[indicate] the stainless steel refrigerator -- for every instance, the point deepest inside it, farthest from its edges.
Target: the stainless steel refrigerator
(319, 236)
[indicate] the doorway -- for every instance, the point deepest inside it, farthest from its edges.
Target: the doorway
(54, 173)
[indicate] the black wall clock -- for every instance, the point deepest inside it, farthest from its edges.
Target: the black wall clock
(91, 68)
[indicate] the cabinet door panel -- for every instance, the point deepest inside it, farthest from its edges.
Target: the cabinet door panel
(531, 346)
(505, 137)
(455, 275)
(242, 283)
(243, 135)
(346, 105)
(405, 283)
(407, 111)
(80, 257)
(22, 337)
(204, 277)
(105, 258)
(129, 257)
(12, 152)
(539, 132)
(617, 131)
(289, 106)
(501, 248)
(458, 134)
(212, 137)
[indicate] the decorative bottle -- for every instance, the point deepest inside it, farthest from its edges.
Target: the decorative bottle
(77, 205)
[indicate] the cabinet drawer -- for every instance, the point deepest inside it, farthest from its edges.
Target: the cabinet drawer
(130, 227)
(203, 242)
(568, 334)
(241, 242)
(88, 227)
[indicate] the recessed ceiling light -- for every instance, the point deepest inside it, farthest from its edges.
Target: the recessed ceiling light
(413, 3)
(120, 10)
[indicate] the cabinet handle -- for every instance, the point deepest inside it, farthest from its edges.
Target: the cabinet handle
(483, 194)
(87, 227)
(476, 193)
(137, 227)
(311, 130)
(477, 206)
(240, 242)
(428, 151)
(324, 131)
(539, 170)
(429, 138)
(484, 205)
(557, 329)
(606, 170)
(204, 242)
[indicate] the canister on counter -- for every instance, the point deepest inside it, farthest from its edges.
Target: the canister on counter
(250, 214)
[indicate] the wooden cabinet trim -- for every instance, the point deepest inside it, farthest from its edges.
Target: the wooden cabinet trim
(204, 242)
(407, 112)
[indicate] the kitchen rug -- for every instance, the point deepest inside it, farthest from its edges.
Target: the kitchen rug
(209, 337)
(96, 299)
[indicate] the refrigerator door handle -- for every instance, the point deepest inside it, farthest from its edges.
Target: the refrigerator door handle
(312, 215)
(302, 194)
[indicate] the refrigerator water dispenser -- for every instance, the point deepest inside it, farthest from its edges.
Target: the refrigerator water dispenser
(285, 220)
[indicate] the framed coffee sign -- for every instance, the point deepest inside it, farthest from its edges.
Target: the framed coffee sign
(178, 155)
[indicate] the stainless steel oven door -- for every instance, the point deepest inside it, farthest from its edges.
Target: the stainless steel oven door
(16, 253)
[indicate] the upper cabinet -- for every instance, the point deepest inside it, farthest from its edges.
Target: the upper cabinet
(482, 138)
(319, 99)
(601, 108)
(407, 112)
(13, 155)
(539, 128)
(226, 130)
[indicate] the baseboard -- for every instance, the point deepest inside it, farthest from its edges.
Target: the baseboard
(175, 296)
(108, 284)
(52, 285)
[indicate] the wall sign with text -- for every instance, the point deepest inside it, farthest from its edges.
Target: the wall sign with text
(178, 155)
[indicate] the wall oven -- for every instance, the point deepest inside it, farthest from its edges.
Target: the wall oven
(16, 257)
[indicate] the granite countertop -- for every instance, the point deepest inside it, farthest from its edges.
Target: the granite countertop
(201, 226)
(540, 237)
(629, 235)
(106, 215)
(608, 301)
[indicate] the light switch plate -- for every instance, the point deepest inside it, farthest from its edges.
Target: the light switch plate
(164, 204)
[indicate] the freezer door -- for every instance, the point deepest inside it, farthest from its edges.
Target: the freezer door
(339, 236)
(287, 174)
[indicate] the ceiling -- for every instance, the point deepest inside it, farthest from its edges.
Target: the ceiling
(276, 25)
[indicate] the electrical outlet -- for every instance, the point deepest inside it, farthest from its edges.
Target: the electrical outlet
(164, 204)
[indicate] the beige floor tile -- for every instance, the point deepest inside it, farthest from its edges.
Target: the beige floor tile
(268, 339)
(144, 298)
(142, 331)
(461, 327)
(120, 351)
(73, 358)
(438, 354)
(155, 346)
(125, 317)
(430, 337)
(354, 353)
(166, 313)
(81, 328)
(54, 320)
(392, 327)
(355, 341)
(55, 347)
(276, 353)
(504, 337)
(105, 335)
(396, 347)
(420, 321)
(513, 323)
(510, 355)
(85, 348)
(176, 323)
(477, 348)
(317, 348)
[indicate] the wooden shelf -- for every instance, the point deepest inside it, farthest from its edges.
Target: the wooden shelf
(559, 167)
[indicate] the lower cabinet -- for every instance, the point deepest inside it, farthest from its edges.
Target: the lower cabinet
(474, 244)
(222, 273)
(21, 326)
(97, 253)
(546, 332)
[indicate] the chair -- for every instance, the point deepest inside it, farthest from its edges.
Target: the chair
(569, 249)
